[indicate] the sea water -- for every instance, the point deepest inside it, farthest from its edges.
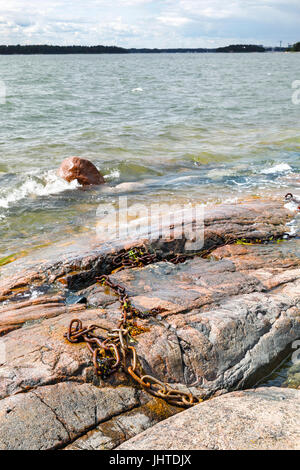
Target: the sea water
(209, 128)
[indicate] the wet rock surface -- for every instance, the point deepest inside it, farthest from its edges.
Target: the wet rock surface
(261, 419)
(75, 263)
(223, 321)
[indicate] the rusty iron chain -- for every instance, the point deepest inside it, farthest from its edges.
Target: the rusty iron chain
(140, 256)
(116, 350)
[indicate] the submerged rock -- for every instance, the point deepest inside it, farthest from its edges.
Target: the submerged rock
(80, 169)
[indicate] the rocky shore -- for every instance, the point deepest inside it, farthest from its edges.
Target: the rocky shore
(226, 318)
(260, 419)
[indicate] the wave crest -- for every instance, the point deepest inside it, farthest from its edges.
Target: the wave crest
(34, 185)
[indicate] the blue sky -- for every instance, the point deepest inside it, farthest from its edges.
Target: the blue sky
(149, 23)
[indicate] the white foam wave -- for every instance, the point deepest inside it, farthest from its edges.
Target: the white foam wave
(280, 168)
(44, 185)
(292, 206)
(293, 224)
(113, 175)
(137, 90)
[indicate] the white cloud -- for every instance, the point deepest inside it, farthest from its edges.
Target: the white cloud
(174, 20)
(149, 23)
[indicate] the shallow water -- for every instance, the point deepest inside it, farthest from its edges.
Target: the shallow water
(186, 127)
(287, 374)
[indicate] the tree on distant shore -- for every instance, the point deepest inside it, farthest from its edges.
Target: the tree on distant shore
(47, 49)
(296, 47)
(241, 48)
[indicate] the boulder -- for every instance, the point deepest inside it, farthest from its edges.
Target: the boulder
(80, 169)
(261, 419)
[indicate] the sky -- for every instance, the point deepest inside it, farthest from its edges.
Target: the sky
(150, 23)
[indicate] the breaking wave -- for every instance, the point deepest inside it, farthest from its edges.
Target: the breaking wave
(43, 185)
(280, 168)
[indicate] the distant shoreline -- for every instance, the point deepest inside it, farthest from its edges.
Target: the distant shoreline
(48, 50)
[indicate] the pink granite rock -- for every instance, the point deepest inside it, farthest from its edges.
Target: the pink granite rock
(224, 320)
